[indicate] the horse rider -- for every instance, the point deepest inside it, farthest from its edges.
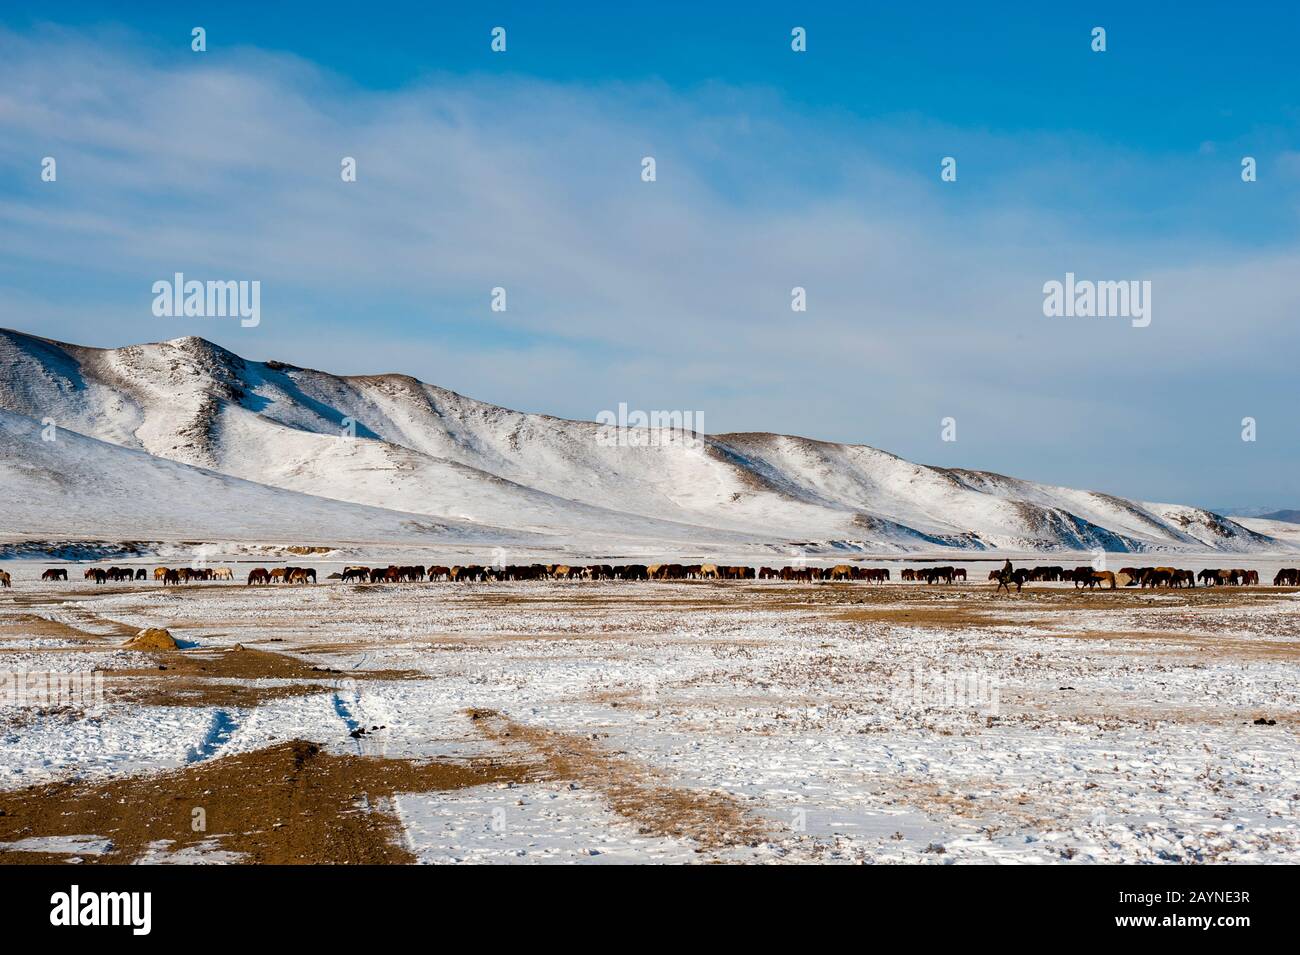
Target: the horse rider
(1008, 572)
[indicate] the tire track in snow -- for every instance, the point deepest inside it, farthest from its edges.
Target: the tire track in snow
(357, 716)
(343, 710)
(219, 733)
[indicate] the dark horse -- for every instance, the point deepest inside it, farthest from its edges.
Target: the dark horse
(1006, 576)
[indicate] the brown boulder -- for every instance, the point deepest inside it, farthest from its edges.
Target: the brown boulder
(152, 638)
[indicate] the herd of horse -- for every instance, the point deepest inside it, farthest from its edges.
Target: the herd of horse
(1087, 576)
(1143, 577)
(481, 572)
(282, 575)
(167, 575)
(493, 572)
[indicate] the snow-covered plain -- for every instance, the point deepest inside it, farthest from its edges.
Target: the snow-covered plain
(895, 724)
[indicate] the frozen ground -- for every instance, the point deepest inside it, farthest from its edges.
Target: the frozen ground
(732, 722)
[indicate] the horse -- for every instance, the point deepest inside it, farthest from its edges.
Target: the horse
(1157, 576)
(258, 575)
(172, 577)
(1101, 577)
(937, 573)
(4, 579)
(1287, 576)
(1007, 577)
(1081, 576)
(223, 573)
(55, 573)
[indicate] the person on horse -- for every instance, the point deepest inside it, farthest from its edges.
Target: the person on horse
(1005, 577)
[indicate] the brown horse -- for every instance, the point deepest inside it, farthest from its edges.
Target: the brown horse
(4, 578)
(55, 573)
(1101, 577)
(258, 575)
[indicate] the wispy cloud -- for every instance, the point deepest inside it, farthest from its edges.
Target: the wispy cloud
(924, 297)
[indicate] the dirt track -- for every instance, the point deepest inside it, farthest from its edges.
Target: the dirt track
(288, 804)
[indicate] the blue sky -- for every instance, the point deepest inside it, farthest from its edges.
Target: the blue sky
(775, 169)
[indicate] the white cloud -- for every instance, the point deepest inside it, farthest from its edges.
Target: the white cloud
(923, 297)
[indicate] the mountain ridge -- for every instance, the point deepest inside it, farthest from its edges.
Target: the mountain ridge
(393, 442)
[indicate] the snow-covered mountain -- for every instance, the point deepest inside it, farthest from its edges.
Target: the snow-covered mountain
(271, 446)
(77, 485)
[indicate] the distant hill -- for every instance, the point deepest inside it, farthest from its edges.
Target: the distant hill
(1290, 516)
(425, 462)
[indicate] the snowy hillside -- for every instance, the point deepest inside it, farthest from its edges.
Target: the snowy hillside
(82, 486)
(473, 468)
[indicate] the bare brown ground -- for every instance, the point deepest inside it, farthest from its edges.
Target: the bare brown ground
(972, 605)
(976, 606)
(637, 793)
(208, 678)
(1202, 645)
(29, 625)
(285, 805)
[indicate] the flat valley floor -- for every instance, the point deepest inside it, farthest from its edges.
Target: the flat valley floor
(585, 722)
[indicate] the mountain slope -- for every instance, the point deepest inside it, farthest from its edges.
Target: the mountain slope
(424, 450)
(79, 485)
